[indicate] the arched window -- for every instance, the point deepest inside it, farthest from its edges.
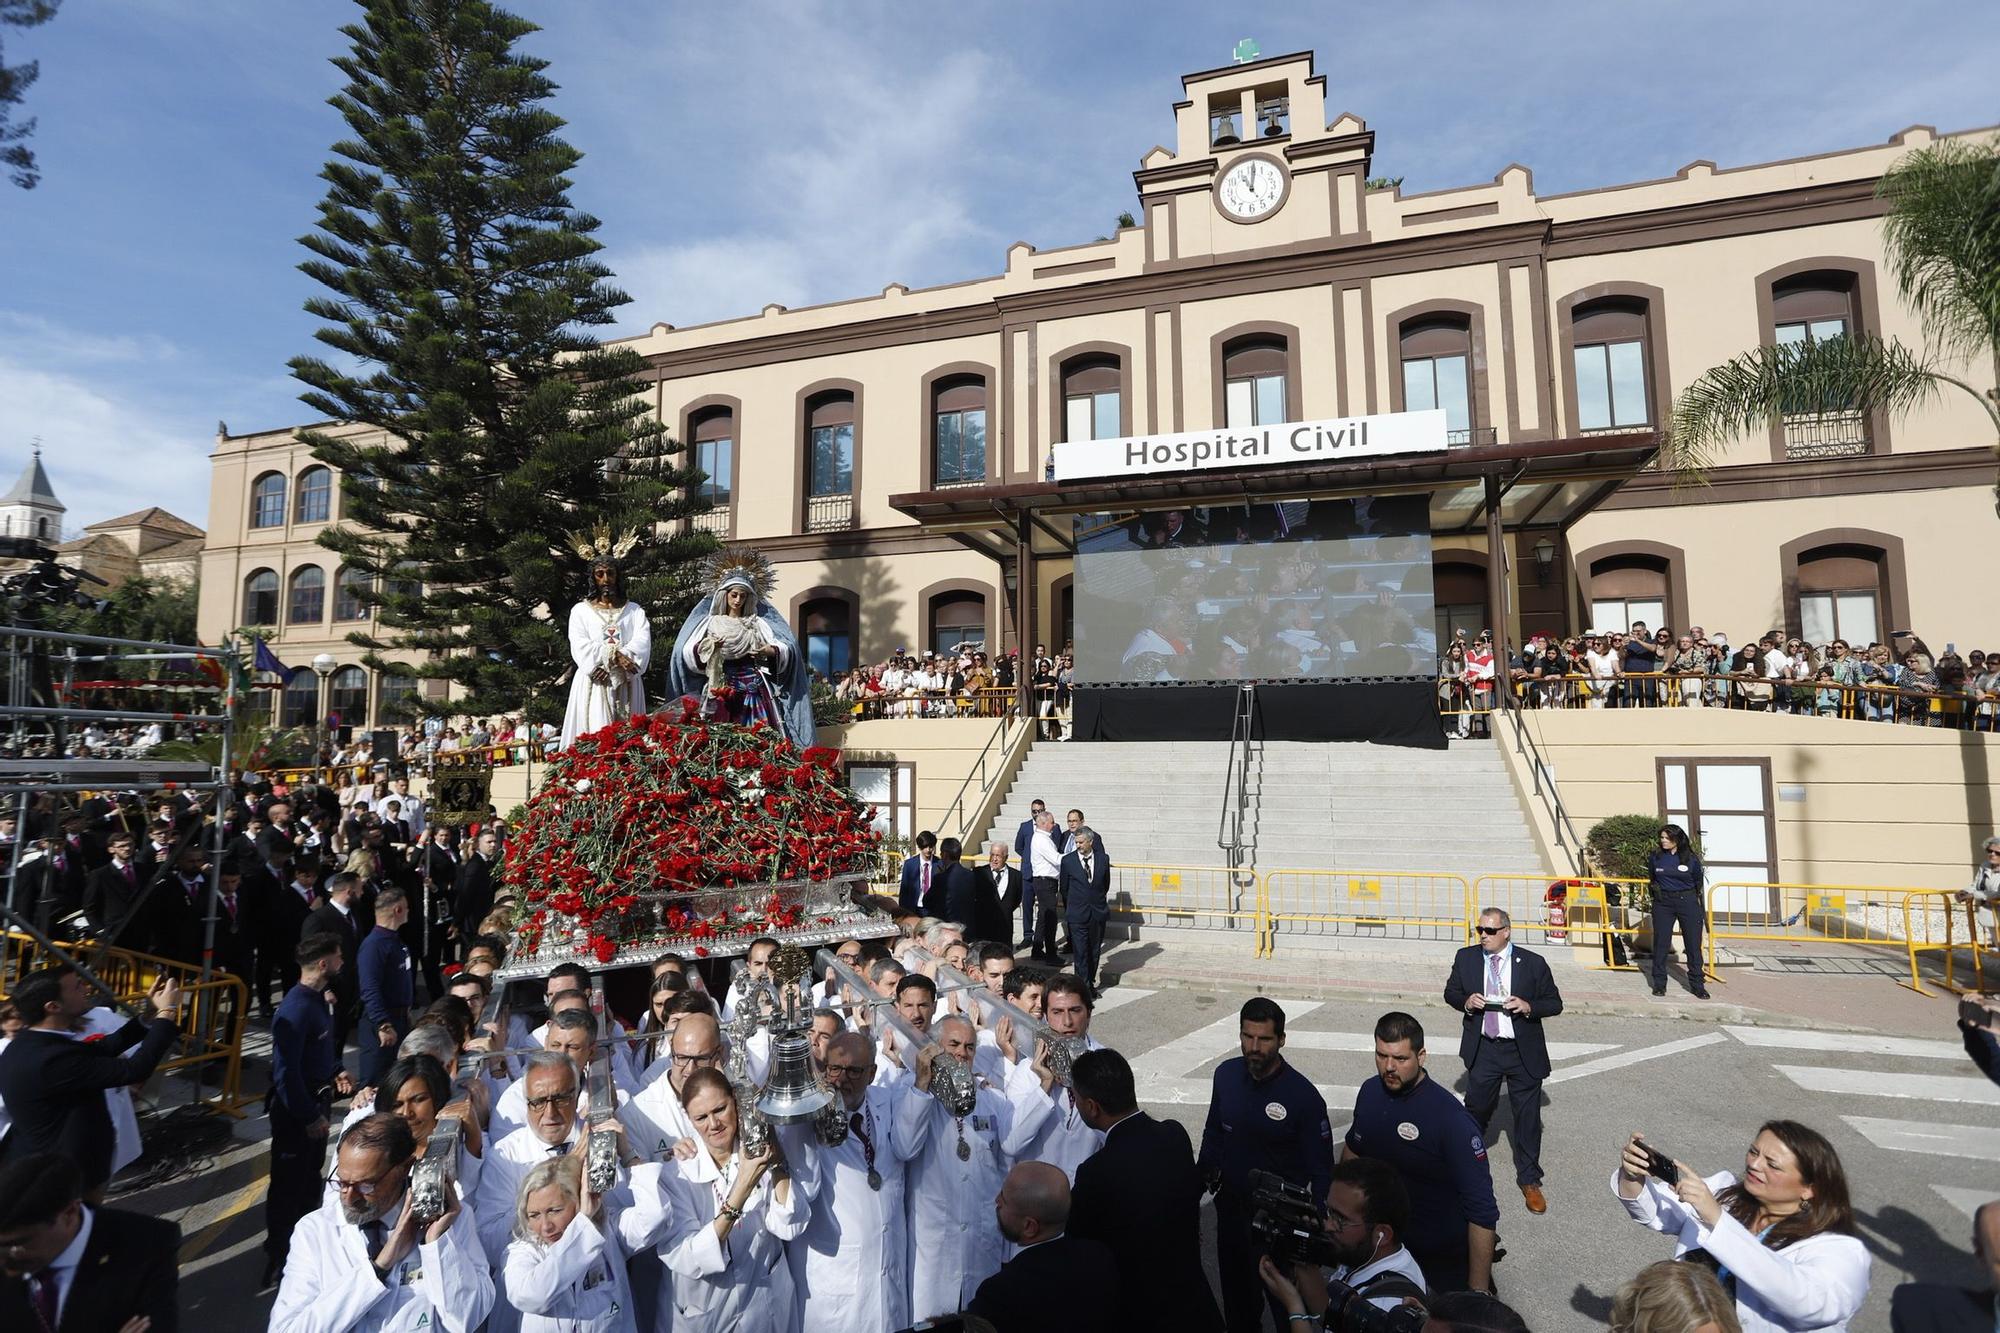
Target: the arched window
(260, 597)
(958, 430)
(404, 582)
(1437, 371)
(714, 441)
(1810, 309)
(299, 700)
(1459, 599)
(314, 501)
(957, 618)
(1253, 381)
(1841, 595)
(1092, 407)
(397, 698)
(347, 697)
(830, 444)
(267, 501)
(1610, 364)
(347, 589)
(307, 604)
(826, 632)
(1625, 589)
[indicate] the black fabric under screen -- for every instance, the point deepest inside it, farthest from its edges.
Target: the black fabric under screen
(1267, 590)
(1397, 712)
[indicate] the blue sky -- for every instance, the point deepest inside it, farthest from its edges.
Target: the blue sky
(775, 150)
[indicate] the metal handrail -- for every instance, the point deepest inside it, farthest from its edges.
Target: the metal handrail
(1236, 777)
(958, 805)
(1541, 777)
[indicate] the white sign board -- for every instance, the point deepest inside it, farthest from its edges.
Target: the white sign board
(1255, 446)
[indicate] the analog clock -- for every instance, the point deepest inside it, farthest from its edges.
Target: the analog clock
(1251, 188)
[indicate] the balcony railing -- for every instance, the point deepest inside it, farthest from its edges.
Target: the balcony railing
(715, 521)
(1475, 435)
(829, 513)
(1825, 434)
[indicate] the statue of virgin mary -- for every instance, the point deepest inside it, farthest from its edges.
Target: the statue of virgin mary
(737, 657)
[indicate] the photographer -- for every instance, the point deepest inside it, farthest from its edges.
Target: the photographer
(1366, 1211)
(1781, 1239)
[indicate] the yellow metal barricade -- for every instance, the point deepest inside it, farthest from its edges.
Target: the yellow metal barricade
(1602, 913)
(1210, 897)
(1909, 921)
(1378, 904)
(211, 1013)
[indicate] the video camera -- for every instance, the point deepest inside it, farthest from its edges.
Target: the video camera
(1285, 1221)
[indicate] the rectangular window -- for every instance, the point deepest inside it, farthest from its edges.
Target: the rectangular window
(1091, 416)
(832, 459)
(1725, 806)
(1256, 401)
(1825, 616)
(270, 510)
(716, 458)
(1617, 615)
(829, 652)
(1439, 381)
(1611, 386)
(960, 442)
(892, 790)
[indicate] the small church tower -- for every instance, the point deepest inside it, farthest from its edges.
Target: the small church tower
(31, 508)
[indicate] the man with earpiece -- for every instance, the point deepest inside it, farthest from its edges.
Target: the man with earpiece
(1366, 1211)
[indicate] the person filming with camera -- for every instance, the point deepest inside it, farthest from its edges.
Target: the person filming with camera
(1781, 1239)
(1366, 1211)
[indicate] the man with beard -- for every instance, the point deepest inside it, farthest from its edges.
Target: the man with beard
(851, 1267)
(1408, 1120)
(1367, 1210)
(362, 1261)
(1263, 1115)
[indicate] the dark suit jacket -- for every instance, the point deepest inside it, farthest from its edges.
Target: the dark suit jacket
(351, 929)
(1085, 900)
(971, 901)
(54, 1088)
(1932, 1307)
(180, 922)
(444, 866)
(236, 936)
(1068, 844)
(1532, 981)
(1140, 1195)
(281, 912)
(472, 897)
(910, 891)
(68, 888)
(1006, 886)
(128, 1269)
(951, 891)
(1024, 838)
(1064, 1283)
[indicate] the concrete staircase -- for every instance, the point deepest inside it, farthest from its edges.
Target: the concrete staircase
(1334, 806)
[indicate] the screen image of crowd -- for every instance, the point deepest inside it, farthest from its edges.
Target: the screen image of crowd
(1271, 590)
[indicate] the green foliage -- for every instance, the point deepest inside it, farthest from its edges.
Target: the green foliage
(1125, 219)
(465, 284)
(1619, 846)
(156, 610)
(15, 80)
(1384, 182)
(829, 709)
(256, 749)
(1943, 236)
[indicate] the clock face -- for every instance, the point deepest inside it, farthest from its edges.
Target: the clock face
(1251, 188)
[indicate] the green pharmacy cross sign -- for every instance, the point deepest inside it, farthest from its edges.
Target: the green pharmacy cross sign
(1246, 51)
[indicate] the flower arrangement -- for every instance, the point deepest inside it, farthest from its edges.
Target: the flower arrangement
(666, 826)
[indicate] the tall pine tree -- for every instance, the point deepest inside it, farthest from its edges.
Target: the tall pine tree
(465, 286)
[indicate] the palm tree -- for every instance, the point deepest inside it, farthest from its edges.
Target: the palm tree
(1942, 234)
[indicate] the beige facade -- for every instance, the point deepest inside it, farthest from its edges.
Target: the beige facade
(149, 543)
(1553, 318)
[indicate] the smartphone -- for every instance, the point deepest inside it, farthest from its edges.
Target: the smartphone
(1659, 1165)
(1974, 1014)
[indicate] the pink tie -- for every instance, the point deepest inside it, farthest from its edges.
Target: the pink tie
(1491, 1025)
(927, 875)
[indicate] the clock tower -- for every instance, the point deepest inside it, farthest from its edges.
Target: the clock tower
(1255, 167)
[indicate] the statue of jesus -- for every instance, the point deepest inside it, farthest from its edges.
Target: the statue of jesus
(610, 640)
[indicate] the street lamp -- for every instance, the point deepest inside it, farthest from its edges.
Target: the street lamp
(1545, 561)
(322, 666)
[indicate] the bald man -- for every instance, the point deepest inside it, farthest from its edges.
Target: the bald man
(1055, 1278)
(1934, 1307)
(657, 1112)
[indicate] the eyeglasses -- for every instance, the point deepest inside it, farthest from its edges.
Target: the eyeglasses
(1492, 930)
(1339, 1221)
(697, 1059)
(846, 1071)
(553, 1099)
(365, 1188)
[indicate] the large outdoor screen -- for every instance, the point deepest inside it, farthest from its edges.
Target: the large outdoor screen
(1312, 589)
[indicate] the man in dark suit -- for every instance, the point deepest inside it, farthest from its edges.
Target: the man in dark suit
(951, 886)
(179, 906)
(1140, 1195)
(1056, 1280)
(473, 895)
(70, 1268)
(1505, 992)
(1085, 889)
(283, 918)
(53, 1083)
(113, 888)
(919, 873)
(340, 916)
(53, 882)
(1937, 1307)
(998, 889)
(237, 928)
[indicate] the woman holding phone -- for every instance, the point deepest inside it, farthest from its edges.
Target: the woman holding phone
(1781, 1239)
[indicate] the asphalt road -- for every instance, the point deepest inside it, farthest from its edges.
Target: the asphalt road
(1912, 1120)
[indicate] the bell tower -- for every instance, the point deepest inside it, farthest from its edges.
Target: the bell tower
(31, 508)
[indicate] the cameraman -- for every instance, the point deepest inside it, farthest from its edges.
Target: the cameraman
(1366, 1211)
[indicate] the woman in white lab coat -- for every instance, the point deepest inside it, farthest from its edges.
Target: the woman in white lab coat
(732, 1214)
(565, 1269)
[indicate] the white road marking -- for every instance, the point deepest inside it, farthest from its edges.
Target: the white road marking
(1197, 1092)
(1874, 1083)
(1624, 1058)
(1847, 1043)
(1118, 997)
(1976, 1141)
(1185, 1054)
(1364, 1042)
(1966, 1201)
(241, 1247)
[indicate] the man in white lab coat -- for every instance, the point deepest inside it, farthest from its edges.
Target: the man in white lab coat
(360, 1262)
(1064, 1140)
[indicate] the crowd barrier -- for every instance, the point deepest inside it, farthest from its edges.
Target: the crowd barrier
(1604, 914)
(1742, 693)
(1213, 897)
(211, 1013)
(1911, 922)
(1377, 904)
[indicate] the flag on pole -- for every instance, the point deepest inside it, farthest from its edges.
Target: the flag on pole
(266, 660)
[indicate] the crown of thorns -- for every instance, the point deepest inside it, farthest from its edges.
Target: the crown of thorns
(601, 543)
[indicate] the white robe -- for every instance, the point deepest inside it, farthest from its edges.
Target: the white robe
(853, 1263)
(1064, 1140)
(693, 658)
(744, 1286)
(330, 1284)
(579, 1284)
(956, 1237)
(591, 644)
